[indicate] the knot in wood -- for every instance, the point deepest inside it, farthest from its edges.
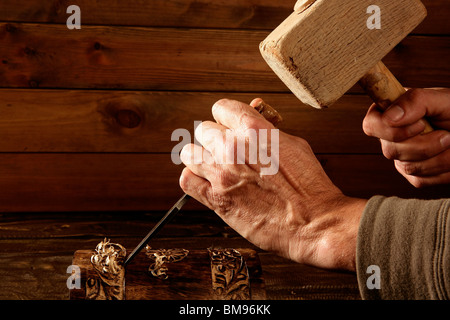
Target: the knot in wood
(33, 83)
(30, 51)
(97, 46)
(10, 28)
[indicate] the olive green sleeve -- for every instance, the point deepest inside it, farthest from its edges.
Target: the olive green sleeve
(404, 247)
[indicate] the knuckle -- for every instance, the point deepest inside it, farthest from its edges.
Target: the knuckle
(443, 139)
(220, 201)
(300, 141)
(224, 149)
(408, 172)
(446, 160)
(411, 168)
(415, 95)
(219, 104)
(417, 182)
(396, 135)
(368, 127)
(248, 121)
(424, 151)
(198, 131)
(390, 150)
(305, 144)
(184, 184)
(185, 153)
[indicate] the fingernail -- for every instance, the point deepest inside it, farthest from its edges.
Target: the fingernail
(394, 113)
(445, 141)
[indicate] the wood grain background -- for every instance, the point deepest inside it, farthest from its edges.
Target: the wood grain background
(86, 118)
(86, 115)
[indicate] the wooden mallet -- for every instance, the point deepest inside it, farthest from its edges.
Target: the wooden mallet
(326, 46)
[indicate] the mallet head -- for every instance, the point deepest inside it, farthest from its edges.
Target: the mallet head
(324, 49)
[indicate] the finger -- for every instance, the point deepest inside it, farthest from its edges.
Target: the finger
(234, 147)
(420, 182)
(418, 148)
(374, 126)
(216, 139)
(198, 160)
(196, 187)
(238, 115)
(416, 104)
(255, 102)
(431, 167)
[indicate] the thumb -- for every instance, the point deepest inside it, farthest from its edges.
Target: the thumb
(416, 104)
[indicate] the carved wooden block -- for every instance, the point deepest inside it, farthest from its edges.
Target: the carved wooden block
(108, 281)
(176, 274)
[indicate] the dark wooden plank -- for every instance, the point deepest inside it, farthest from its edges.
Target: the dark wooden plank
(145, 182)
(61, 225)
(10, 248)
(34, 276)
(250, 14)
(35, 260)
(123, 121)
(125, 58)
(257, 14)
(408, 62)
(65, 181)
(51, 56)
(437, 21)
(287, 280)
(36, 269)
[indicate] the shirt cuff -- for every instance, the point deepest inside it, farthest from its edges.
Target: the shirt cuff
(403, 250)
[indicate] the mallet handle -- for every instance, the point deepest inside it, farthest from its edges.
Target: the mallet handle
(384, 88)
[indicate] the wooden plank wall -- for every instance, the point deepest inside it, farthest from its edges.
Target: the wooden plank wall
(86, 115)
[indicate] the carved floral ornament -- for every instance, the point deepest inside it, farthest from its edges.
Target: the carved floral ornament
(109, 284)
(229, 272)
(162, 257)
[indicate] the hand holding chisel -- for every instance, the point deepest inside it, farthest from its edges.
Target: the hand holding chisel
(264, 109)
